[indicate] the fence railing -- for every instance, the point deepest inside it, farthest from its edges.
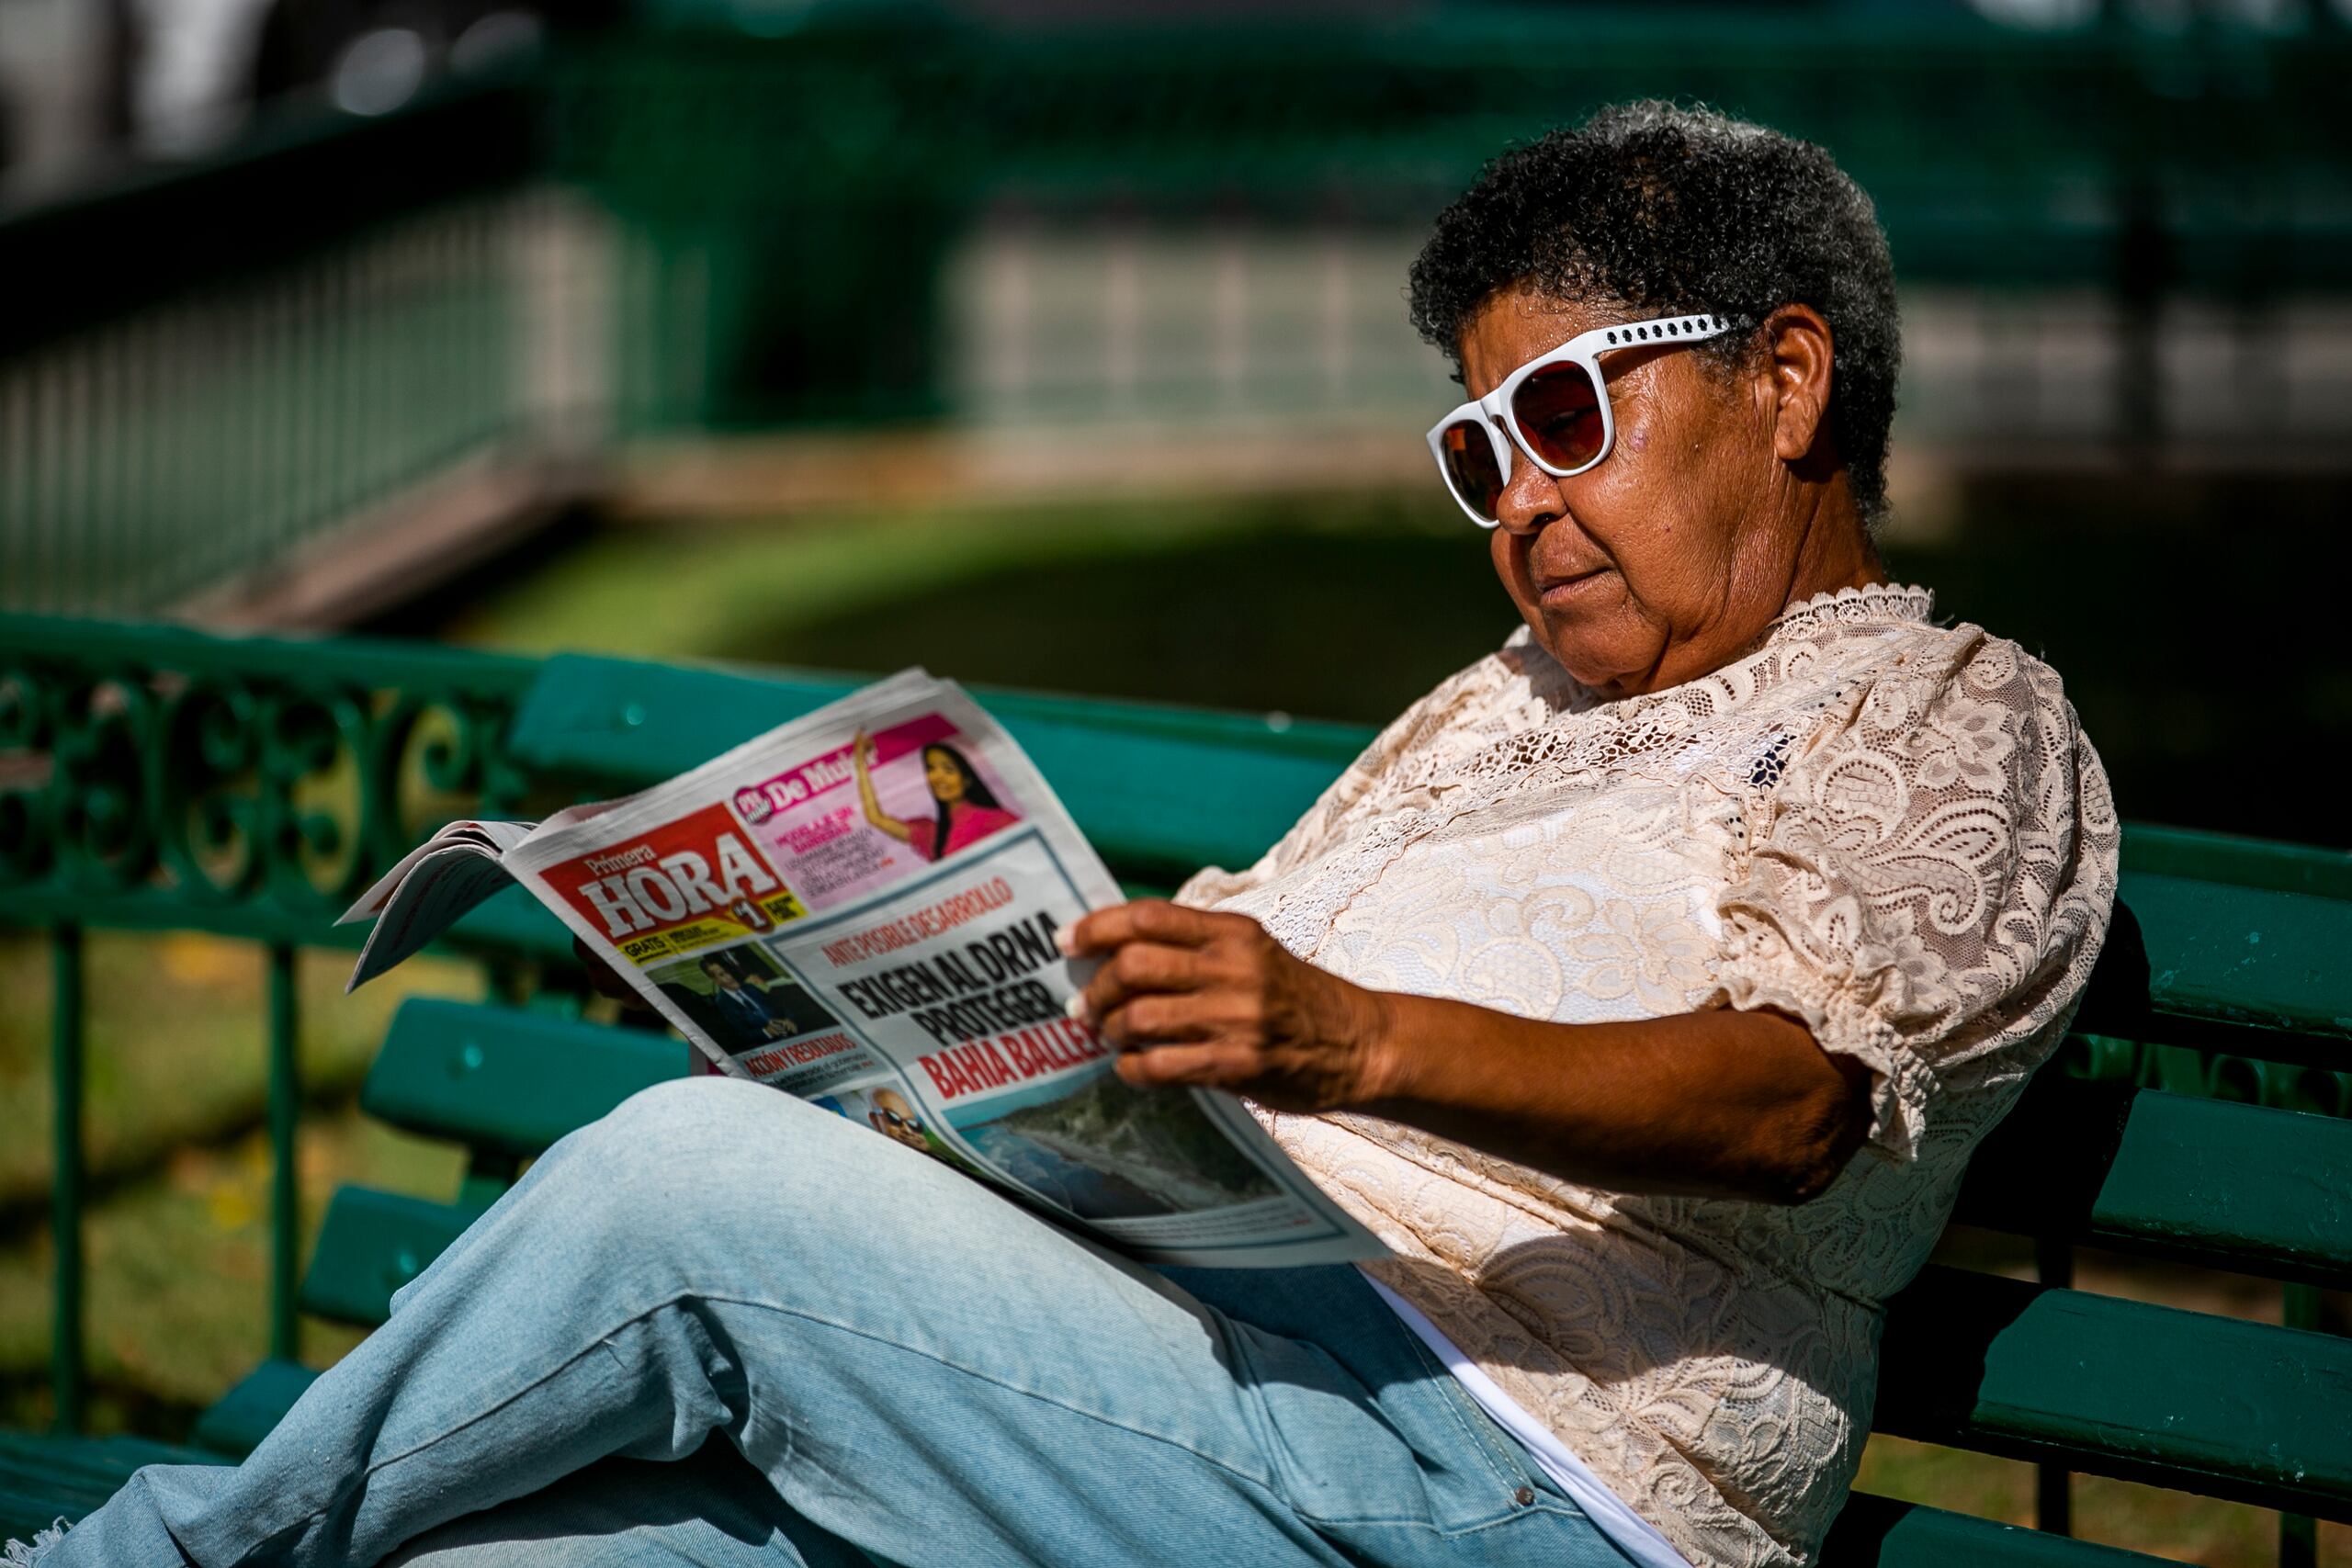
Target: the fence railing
(153, 778)
(228, 363)
(800, 195)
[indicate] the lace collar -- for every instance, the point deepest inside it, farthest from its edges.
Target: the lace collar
(1839, 607)
(1553, 691)
(1848, 606)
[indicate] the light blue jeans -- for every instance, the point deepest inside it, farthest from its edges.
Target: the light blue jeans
(723, 1327)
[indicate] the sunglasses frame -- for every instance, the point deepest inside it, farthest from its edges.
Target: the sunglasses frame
(1493, 413)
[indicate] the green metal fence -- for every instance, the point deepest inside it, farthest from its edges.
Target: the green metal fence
(803, 190)
(152, 779)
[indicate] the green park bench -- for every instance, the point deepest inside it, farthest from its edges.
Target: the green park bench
(2225, 983)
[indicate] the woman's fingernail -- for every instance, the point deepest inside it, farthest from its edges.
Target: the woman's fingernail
(1077, 1008)
(1065, 938)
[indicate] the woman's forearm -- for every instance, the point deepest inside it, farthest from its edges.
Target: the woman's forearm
(1719, 1103)
(872, 803)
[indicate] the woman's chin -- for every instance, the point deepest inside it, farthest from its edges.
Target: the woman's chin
(1601, 652)
(1586, 664)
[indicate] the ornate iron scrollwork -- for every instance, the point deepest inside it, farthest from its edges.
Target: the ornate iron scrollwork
(238, 785)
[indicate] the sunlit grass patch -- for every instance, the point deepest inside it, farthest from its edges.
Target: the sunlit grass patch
(178, 1226)
(176, 1045)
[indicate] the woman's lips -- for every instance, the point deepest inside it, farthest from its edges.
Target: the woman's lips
(1563, 592)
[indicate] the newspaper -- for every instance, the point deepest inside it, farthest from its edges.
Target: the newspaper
(859, 908)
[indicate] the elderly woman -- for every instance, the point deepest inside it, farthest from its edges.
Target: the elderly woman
(1645, 987)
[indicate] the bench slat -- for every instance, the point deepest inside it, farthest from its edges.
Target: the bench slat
(506, 1080)
(43, 1477)
(98, 1462)
(2246, 969)
(2121, 1388)
(370, 1245)
(2237, 860)
(2226, 1186)
(64, 1477)
(1878, 1532)
(242, 1417)
(32, 1502)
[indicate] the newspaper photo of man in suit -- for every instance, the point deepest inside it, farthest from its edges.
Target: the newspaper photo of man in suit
(749, 1015)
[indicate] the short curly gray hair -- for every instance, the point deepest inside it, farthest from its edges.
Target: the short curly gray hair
(1658, 207)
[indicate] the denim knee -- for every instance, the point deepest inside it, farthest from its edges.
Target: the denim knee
(637, 1178)
(697, 1119)
(697, 1149)
(713, 1130)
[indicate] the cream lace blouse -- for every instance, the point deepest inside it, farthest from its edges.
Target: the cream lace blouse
(1891, 829)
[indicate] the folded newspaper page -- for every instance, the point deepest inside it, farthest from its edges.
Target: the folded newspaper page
(859, 908)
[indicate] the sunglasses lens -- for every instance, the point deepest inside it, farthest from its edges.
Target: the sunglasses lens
(1559, 410)
(1470, 468)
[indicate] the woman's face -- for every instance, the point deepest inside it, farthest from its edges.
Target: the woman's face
(946, 780)
(1671, 556)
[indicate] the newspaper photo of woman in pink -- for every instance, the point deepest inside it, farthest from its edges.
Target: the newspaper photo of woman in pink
(968, 809)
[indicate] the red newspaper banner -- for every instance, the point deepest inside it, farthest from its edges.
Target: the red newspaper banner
(692, 882)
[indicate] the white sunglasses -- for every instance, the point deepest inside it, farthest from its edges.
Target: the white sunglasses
(1554, 407)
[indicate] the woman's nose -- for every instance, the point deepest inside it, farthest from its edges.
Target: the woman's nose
(1531, 498)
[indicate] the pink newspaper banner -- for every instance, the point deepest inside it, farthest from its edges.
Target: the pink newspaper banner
(814, 825)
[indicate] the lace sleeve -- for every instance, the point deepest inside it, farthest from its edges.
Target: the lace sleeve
(1927, 883)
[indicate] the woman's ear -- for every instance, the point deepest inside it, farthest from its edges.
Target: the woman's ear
(1799, 350)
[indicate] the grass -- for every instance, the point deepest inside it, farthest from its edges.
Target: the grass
(1376, 599)
(2198, 665)
(178, 1272)
(179, 1237)
(196, 1081)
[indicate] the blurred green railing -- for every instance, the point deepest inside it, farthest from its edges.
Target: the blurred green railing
(213, 368)
(681, 232)
(800, 193)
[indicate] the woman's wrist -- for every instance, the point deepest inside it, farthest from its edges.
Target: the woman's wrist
(1385, 1069)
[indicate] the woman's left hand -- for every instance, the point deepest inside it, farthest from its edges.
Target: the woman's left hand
(1195, 998)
